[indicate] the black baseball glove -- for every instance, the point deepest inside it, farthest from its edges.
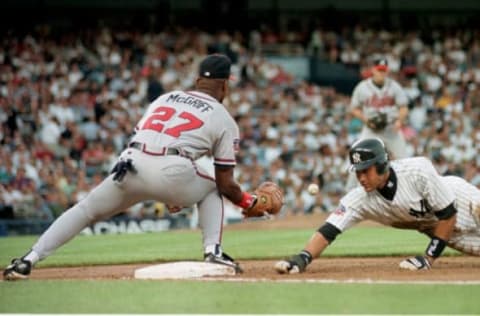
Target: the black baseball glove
(378, 122)
(120, 169)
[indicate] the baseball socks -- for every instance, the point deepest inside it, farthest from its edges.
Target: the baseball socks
(214, 249)
(31, 256)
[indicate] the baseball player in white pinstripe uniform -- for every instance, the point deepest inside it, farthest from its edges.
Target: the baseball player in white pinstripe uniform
(381, 104)
(406, 193)
(159, 164)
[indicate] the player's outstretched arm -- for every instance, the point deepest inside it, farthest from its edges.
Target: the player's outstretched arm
(267, 199)
(314, 248)
(441, 234)
(228, 187)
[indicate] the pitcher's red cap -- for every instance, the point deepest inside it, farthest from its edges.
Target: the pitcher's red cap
(381, 64)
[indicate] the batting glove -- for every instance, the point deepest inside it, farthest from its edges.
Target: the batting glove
(294, 264)
(120, 169)
(415, 263)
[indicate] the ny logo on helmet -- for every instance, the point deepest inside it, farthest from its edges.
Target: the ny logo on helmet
(356, 158)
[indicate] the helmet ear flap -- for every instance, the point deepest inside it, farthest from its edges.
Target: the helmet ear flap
(382, 167)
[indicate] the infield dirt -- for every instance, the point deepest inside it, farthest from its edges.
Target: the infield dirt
(458, 269)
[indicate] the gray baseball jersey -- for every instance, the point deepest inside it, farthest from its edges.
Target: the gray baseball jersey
(420, 192)
(387, 99)
(191, 121)
(176, 129)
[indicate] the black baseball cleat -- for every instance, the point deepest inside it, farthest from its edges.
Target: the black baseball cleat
(222, 259)
(19, 269)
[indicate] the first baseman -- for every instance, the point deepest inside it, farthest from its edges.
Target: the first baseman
(406, 193)
(159, 164)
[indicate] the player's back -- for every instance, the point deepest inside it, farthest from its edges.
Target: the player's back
(192, 121)
(467, 196)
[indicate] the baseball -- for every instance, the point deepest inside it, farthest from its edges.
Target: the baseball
(313, 188)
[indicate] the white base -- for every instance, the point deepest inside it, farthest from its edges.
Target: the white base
(183, 270)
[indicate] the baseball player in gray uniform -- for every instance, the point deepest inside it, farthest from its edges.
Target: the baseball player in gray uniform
(406, 193)
(381, 104)
(159, 164)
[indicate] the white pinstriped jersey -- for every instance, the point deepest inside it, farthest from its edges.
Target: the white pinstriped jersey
(374, 99)
(191, 121)
(420, 192)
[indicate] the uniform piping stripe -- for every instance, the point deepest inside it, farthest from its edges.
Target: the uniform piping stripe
(221, 222)
(207, 177)
(224, 160)
(200, 174)
(204, 175)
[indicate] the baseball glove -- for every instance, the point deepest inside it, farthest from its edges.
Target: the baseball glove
(269, 200)
(378, 122)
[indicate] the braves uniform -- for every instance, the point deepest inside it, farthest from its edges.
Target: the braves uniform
(372, 98)
(418, 193)
(176, 129)
(386, 99)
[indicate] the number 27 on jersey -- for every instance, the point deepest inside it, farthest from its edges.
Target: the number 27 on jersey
(161, 115)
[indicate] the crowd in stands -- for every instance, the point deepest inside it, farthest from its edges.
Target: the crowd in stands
(69, 103)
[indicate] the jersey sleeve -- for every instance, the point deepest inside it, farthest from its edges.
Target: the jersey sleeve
(429, 183)
(227, 142)
(356, 101)
(346, 215)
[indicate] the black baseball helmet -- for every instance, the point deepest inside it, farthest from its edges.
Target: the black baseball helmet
(368, 152)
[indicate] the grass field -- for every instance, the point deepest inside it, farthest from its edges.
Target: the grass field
(185, 297)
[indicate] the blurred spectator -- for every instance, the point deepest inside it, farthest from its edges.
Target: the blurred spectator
(93, 158)
(154, 88)
(68, 105)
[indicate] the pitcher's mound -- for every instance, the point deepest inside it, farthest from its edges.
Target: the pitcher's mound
(183, 270)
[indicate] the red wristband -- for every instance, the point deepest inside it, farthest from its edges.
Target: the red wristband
(247, 200)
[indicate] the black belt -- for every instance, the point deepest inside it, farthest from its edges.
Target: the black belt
(164, 151)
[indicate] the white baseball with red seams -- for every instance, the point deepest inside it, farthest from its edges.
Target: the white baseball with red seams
(313, 188)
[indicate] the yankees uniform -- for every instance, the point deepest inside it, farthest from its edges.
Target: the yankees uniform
(406, 193)
(419, 192)
(159, 164)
